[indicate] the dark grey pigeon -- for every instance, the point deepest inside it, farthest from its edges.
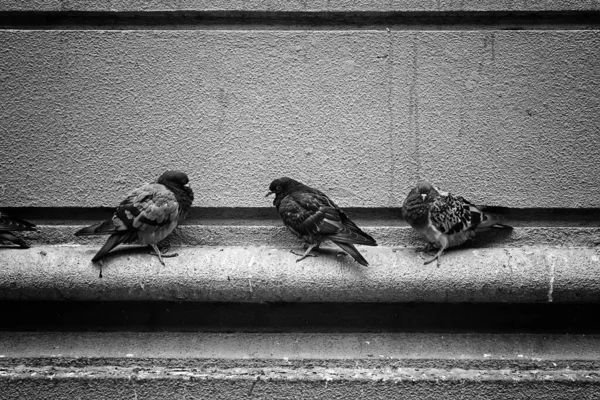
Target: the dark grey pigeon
(309, 214)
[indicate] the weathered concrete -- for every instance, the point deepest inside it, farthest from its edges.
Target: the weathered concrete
(310, 5)
(502, 117)
(227, 387)
(256, 274)
(379, 366)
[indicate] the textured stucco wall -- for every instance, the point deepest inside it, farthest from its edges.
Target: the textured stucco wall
(306, 5)
(503, 117)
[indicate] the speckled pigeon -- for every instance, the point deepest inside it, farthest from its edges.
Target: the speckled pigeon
(8, 224)
(443, 219)
(148, 214)
(310, 215)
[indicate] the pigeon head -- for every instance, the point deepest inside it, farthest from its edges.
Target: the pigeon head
(282, 187)
(177, 178)
(179, 183)
(416, 205)
(426, 191)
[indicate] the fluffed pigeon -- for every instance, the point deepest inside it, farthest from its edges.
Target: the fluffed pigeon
(443, 219)
(8, 224)
(148, 214)
(309, 214)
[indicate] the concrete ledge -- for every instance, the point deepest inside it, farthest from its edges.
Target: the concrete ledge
(281, 384)
(303, 6)
(192, 365)
(258, 274)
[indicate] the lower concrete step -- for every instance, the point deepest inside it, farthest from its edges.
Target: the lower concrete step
(146, 365)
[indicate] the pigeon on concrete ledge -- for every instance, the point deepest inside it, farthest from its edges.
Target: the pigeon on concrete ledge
(310, 215)
(148, 215)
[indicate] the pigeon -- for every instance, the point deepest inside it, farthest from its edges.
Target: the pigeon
(148, 215)
(310, 215)
(8, 224)
(445, 220)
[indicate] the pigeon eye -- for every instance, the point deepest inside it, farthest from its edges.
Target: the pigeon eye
(278, 188)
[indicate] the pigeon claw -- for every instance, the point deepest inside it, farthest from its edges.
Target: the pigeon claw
(436, 257)
(302, 256)
(425, 249)
(306, 253)
(160, 255)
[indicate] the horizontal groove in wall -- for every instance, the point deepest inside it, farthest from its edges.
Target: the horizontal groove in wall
(292, 20)
(276, 235)
(268, 216)
(83, 316)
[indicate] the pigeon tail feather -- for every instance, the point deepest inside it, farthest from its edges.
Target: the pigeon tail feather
(113, 241)
(353, 251)
(105, 228)
(490, 221)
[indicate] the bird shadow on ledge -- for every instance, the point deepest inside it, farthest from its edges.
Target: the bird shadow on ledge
(491, 237)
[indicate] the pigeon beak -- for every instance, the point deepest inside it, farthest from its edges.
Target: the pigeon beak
(423, 196)
(187, 185)
(269, 193)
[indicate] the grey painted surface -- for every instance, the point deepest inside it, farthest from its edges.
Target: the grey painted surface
(502, 117)
(310, 5)
(257, 274)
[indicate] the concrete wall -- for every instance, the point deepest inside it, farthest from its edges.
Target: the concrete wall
(503, 117)
(306, 5)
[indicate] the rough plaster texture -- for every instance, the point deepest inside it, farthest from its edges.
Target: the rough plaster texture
(310, 5)
(258, 274)
(503, 117)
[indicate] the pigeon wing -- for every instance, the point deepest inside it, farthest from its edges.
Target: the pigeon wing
(313, 213)
(146, 209)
